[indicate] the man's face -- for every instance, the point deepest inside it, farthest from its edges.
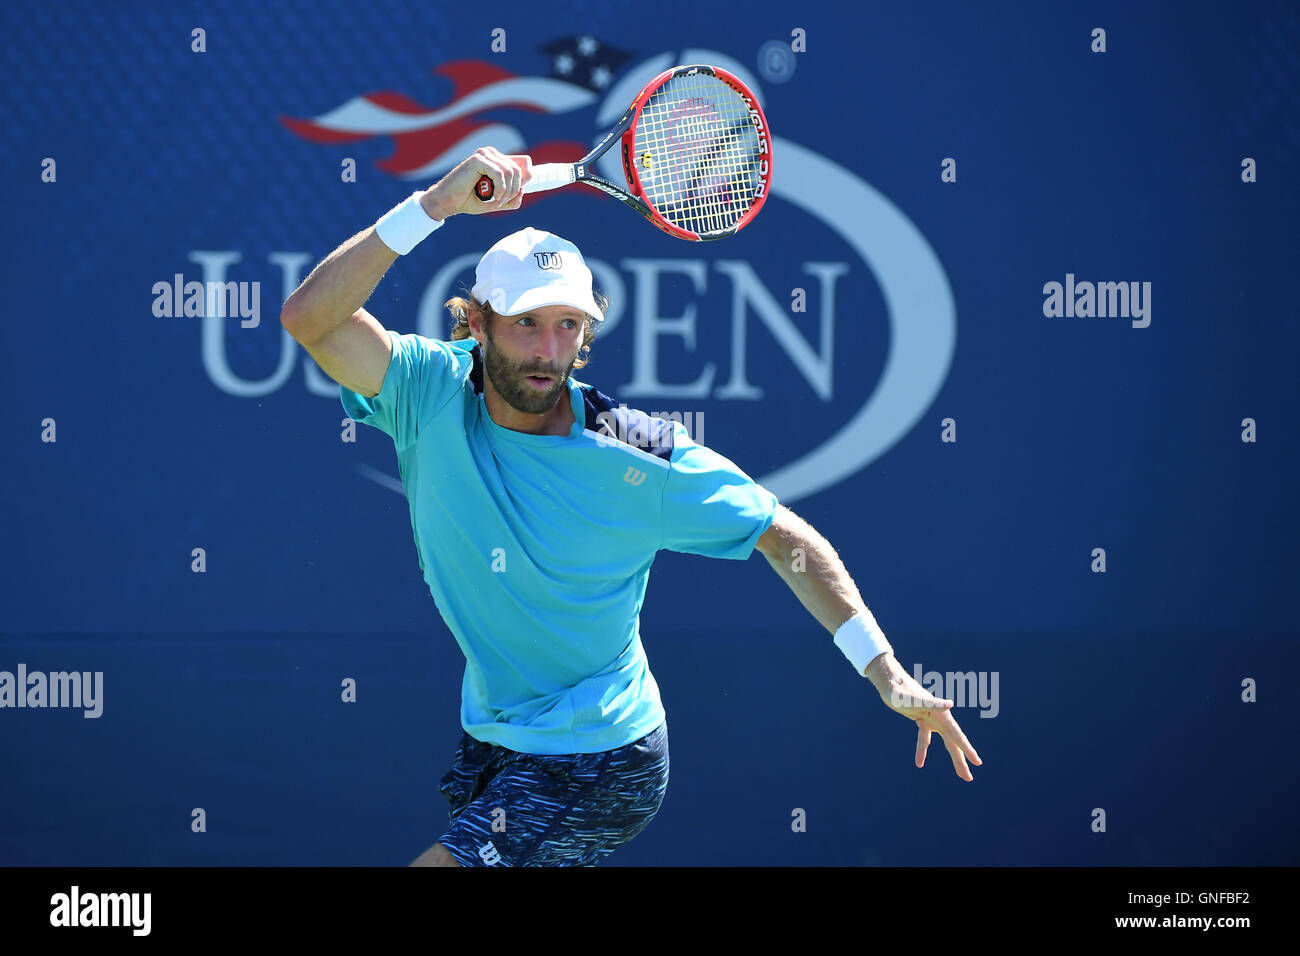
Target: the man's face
(528, 357)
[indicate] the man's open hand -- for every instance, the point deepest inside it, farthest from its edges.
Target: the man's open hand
(903, 695)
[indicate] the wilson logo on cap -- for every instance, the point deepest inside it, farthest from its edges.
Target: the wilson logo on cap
(548, 260)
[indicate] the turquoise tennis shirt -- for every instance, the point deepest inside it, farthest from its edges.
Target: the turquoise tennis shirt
(537, 548)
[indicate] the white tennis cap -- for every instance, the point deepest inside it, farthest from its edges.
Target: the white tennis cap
(531, 268)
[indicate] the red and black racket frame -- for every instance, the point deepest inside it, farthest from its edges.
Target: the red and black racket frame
(626, 130)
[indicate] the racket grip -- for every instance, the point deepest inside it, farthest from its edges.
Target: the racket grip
(545, 176)
(550, 176)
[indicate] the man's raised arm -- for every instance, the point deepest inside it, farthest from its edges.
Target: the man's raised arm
(325, 315)
(809, 565)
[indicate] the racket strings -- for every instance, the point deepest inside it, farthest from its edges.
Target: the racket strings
(696, 152)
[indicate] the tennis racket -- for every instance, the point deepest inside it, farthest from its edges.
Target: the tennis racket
(697, 155)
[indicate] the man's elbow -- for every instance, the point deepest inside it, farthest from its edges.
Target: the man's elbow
(289, 317)
(297, 323)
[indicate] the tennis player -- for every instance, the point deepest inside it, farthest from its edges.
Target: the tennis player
(538, 505)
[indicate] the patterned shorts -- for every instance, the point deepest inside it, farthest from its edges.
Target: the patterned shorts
(516, 809)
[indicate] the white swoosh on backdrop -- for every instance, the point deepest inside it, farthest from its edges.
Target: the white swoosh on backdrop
(922, 316)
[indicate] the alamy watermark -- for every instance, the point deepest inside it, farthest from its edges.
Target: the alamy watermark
(1102, 300)
(76, 908)
(963, 688)
(200, 300)
(81, 689)
(631, 429)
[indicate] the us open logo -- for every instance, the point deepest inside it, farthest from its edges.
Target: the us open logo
(548, 260)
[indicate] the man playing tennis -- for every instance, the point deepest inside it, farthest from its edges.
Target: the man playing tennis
(538, 505)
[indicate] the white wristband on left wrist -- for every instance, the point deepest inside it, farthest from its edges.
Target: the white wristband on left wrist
(862, 641)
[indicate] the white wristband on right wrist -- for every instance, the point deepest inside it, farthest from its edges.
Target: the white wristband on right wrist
(406, 226)
(862, 641)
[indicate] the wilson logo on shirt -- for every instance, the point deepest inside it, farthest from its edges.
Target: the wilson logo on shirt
(633, 477)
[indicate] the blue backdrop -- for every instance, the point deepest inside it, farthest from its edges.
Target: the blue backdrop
(968, 452)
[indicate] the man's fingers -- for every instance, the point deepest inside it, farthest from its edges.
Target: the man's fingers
(952, 731)
(954, 741)
(487, 161)
(957, 745)
(525, 164)
(507, 180)
(507, 176)
(958, 760)
(500, 188)
(933, 715)
(510, 180)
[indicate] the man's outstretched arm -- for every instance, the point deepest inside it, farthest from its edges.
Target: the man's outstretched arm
(809, 565)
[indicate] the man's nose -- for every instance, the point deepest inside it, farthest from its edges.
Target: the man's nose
(545, 344)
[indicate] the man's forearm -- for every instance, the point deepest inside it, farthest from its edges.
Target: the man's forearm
(814, 572)
(808, 563)
(338, 286)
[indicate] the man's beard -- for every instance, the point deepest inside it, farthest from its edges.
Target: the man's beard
(508, 379)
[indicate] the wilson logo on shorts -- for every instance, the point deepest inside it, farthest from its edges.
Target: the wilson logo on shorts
(488, 854)
(548, 260)
(633, 476)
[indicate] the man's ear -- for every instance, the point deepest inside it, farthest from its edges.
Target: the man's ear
(475, 318)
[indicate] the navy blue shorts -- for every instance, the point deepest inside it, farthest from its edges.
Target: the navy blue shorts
(515, 809)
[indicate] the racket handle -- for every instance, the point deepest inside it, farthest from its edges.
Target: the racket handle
(545, 176)
(550, 176)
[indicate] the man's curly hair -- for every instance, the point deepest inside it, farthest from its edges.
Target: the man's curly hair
(459, 307)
